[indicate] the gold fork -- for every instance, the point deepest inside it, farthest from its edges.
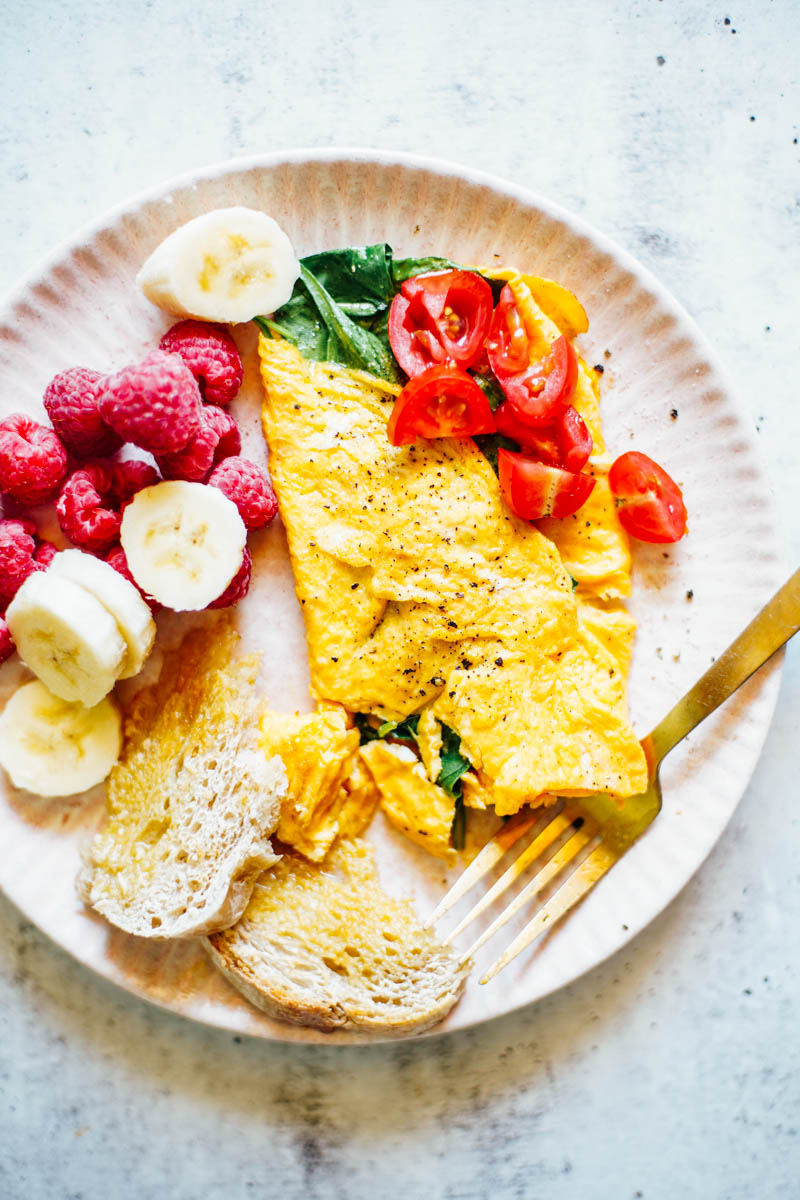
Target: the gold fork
(576, 842)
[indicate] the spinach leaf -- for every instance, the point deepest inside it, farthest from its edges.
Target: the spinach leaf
(453, 762)
(453, 767)
(490, 443)
(405, 730)
(348, 342)
(358, 277)
(404, 268)
(367, 731)
(458, 831)
(299, 324)
(489, 385)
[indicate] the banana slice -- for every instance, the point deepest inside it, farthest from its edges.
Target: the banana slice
(66, 637)
(118, 596)
(184, 543)
(229, 265)
(55, 747)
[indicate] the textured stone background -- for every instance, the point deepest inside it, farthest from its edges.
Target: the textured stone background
(674, 1069)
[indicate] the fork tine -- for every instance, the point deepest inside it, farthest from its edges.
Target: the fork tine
(544, 838)
(491, 853)
(581, 881)
(570, 848)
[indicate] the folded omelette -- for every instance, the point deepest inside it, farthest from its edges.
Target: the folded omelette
(422, 593)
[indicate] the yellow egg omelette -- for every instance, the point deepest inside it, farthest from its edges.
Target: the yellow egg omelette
(422, 593)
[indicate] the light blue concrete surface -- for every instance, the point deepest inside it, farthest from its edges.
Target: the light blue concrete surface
(674, 1069)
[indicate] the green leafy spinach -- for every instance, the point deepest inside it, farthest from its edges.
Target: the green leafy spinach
(339, 309)
(454, 764)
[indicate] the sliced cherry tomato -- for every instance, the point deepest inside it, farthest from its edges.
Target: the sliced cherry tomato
(565, 443)
(440, 319)
(441, 402)
(508, 345)
(574, 440)
(539, 442)
(649, 503)
(537, 389)
(534, 489)
(540, 393)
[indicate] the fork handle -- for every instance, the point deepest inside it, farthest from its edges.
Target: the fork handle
(778, 620)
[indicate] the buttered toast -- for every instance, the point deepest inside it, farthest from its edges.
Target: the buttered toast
(324, 945)
(191, 803)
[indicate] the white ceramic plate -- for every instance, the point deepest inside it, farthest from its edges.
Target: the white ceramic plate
(81, 306)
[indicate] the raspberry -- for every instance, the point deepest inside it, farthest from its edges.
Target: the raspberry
(217, 438)
(44, 554)
(196, 459)
(7, 646)
(248, 487)
(71, 403)
(81, 511)
(230, 441)
(117, 559)
(32, 459)
(129, 477)
(211, 355)
(238, 586)
(17, 546)
(155, 403)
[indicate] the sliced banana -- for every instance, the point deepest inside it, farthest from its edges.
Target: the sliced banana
(229, 265)
(66, 637)
(55, 747)
(184, 542)
(118, 596)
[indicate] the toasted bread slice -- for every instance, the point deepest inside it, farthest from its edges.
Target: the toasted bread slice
(327, 947)
(192, 802)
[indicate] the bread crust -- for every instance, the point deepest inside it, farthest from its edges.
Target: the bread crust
(328, 948)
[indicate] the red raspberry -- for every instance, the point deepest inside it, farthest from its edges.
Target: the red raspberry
(44, 554)
(117, 559)
(238, 586)
(230, 441)
(71, 403)
(82, 515)
(194, 461)
(32, 459)
(211, 355)
(7, 646)
(129, 477)
(17, 546)
(217, 438)
(155, 403)
(248, 487)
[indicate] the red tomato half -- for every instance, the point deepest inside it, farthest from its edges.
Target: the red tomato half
(534, 489)
(440, 319)
(539, 442)
(649, 503)
(540, 393)
(565, 443)
(508, 344)
(574, 440)
(441, 402)
(539, 389)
